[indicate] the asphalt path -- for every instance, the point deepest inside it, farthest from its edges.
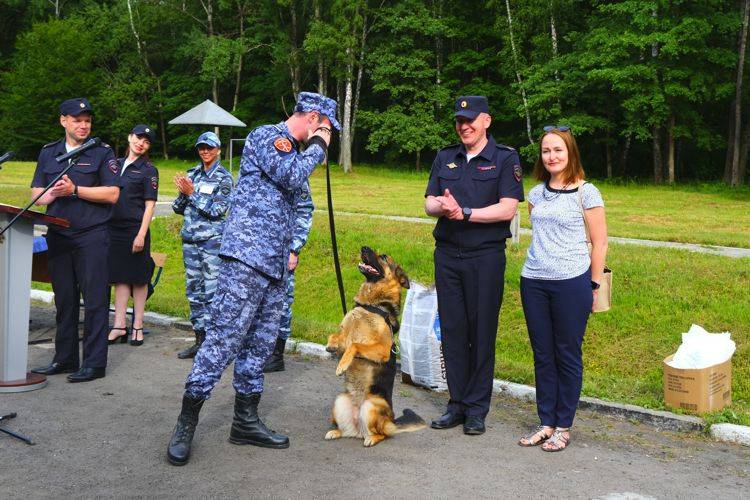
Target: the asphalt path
(107, 438)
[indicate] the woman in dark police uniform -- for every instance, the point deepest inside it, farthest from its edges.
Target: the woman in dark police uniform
(130, 264)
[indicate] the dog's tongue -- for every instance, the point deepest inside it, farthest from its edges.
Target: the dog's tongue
(367, 267)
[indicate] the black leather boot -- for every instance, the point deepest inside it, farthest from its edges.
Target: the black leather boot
(275, 363)
(178, 452)
(247, 427)
(191, 351)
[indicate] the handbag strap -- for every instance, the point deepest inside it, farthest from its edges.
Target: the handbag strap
(583, 214)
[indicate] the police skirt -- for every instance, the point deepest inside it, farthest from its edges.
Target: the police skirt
(124, 265)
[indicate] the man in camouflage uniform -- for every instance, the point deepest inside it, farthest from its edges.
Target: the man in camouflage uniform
(245, 313)
(303, 207)
(204, 199)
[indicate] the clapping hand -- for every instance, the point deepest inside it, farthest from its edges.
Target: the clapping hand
(63, 187)
(184, 185)
(450, 206)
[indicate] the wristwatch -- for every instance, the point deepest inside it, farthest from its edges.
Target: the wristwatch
(595, 285)
(75, 191)
(467, 213)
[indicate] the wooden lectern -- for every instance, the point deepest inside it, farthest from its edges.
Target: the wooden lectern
(16, 248)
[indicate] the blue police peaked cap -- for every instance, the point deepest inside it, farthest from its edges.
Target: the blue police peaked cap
(310, 101)
(208, 138)
(76, 106)
(144, 130)
(469, 106)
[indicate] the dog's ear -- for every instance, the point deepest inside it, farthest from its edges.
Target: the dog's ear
(402, 277)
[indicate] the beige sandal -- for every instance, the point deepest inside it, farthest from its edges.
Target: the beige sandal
(529, 441)
(558, 441)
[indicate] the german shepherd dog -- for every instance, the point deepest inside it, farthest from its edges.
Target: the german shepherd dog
(368, 363)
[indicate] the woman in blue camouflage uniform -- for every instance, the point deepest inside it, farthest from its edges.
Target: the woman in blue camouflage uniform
(204, 200)
(130, 264)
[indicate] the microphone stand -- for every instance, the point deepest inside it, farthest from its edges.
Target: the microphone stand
(73, 161)
(17, 435)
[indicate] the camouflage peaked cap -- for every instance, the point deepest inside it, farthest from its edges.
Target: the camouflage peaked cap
(310, 101)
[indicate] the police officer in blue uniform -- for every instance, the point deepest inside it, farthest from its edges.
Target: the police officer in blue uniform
(303, 209)
(474, 190)
(205, 197)
(244, 320)
(78, 254)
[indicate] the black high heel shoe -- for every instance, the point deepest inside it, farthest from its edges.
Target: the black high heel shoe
(133, 340)
(120, 338)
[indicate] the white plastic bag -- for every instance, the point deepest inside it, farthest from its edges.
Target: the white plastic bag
(700, 349)
(419, 339)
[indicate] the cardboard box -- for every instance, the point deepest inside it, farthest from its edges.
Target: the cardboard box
(698, 390)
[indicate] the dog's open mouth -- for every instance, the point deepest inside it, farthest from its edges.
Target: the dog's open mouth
(370, 267)
(368, 270)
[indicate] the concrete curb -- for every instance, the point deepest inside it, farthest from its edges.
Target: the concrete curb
(731, 433)
(728, 433)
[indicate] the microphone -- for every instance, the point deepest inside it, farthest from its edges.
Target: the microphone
(7, 156)
(91, 143)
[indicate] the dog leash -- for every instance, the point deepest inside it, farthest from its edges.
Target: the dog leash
(331, 224)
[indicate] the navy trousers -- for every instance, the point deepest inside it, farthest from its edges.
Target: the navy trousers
(81, 261)
(470, 292)
(556, 315)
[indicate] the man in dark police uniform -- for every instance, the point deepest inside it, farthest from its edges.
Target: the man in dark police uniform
(474, 190)
(78, 254)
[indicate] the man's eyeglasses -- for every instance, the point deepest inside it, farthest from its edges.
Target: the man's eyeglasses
(561, 128)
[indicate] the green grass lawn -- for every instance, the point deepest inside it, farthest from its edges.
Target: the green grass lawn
(710, 214)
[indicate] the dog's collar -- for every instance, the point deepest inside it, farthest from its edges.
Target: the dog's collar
(385, 314)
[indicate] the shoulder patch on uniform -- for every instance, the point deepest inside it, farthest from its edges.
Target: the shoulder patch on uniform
(283, 145)
(517, 172)
(112, 165)
(154, 182)
(225, 190)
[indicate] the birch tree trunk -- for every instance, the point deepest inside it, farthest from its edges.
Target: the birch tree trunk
(208, 8)
(735, 178)
(321, 66)
(294, 69)
(345, 153)
(553, 35)
(240, 55)
(518, 73)
(141, 47)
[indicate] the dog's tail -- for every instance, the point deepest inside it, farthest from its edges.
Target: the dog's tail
(408, 422)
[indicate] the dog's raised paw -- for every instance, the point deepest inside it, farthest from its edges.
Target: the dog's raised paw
(333, 434)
